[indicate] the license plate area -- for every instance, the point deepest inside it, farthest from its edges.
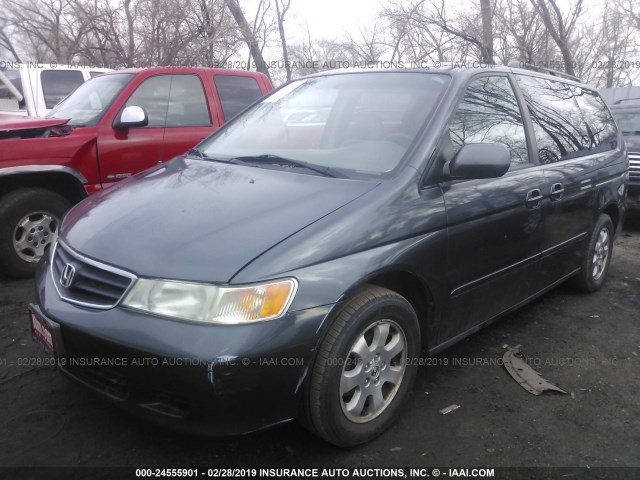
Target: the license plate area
(45, 332)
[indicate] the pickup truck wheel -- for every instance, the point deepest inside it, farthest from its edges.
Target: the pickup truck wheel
(29, 220)
(597, 256)
(363, 373)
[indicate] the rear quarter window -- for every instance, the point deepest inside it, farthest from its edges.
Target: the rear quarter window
(569, 121)
(601, 128)
(236, 93)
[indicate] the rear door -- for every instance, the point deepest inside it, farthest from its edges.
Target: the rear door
(188, 117)
(574, 135)
(495, 226)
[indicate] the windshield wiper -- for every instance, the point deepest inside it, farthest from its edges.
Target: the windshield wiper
(289, 162)
(194, 152)
(631, 132)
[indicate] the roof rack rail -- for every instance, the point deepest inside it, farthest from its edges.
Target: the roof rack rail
(536, 68)
(633, 99)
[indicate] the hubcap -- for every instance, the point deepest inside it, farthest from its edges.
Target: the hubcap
(373, 371)
(600, 254)
(33, 233)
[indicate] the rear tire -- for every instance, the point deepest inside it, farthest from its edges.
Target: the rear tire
(597, 258)
(29, 222)
(363, 373)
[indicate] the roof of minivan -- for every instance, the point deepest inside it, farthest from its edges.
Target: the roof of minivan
(457, 71)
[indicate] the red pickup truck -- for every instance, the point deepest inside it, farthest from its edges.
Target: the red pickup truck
(110, 128)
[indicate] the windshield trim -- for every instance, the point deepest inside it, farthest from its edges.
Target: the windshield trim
(98, 117)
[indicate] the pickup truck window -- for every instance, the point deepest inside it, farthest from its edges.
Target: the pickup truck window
(489, 113)
(236, 93)
(153, 95)
(187, 103)
(87, 104)
(56, 84)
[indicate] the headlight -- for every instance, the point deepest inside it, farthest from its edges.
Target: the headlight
(200, 302)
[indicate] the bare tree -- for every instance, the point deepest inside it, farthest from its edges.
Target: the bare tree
(6, 40)
(602, 49)
(632, 10)
(486, 48)
(560, 27)
(52, 30)
(411, 35)
(368, 47)
(465, 27)
(282, 7)
(249, 37)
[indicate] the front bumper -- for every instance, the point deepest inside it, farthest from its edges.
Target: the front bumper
(206, 379)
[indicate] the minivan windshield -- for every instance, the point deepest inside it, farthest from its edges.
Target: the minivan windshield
(628, 120)
(87, 104)
(358, 124)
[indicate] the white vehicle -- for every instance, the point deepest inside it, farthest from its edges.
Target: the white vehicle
(32, 89)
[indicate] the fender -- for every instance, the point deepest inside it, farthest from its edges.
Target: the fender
(43, 168)
(63, 180)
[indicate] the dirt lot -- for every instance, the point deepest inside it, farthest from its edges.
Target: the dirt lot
(588, 344)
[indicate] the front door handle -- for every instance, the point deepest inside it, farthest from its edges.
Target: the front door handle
(556, 191)
(534, 197)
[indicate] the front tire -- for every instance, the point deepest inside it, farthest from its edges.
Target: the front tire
(364, 373)
(29, 222)
(595, 264)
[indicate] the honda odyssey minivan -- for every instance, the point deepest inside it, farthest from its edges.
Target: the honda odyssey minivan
(300, 270)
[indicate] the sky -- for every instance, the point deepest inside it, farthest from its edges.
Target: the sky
(333, 18)
(329, 19)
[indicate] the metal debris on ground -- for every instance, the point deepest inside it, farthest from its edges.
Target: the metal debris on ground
(516, 364)
(449, 409)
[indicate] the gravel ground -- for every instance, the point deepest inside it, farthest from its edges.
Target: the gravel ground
(587, 344)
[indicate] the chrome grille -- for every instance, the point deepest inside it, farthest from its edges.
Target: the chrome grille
(86, 282)
(634, 166)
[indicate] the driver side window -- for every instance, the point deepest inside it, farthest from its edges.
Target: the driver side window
(489, 113)
(153, 95)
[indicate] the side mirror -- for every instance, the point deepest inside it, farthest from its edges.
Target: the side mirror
(132, 116)
(480, 160)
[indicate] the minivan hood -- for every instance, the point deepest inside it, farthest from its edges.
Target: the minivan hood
(199, 220)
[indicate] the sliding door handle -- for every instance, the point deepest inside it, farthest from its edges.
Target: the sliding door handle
(556, 191)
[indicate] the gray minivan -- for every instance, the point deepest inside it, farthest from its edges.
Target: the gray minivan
(303, 270)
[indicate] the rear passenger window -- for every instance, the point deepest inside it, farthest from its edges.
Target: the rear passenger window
(57, 84)
(153, 95)
(187, 103)
(489, 113)
(236, 93)
(568, 121)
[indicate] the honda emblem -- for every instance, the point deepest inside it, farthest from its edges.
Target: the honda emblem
(66, 278)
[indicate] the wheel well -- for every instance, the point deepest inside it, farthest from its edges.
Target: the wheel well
(63, 184)
(614, 214)
(414, 290)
